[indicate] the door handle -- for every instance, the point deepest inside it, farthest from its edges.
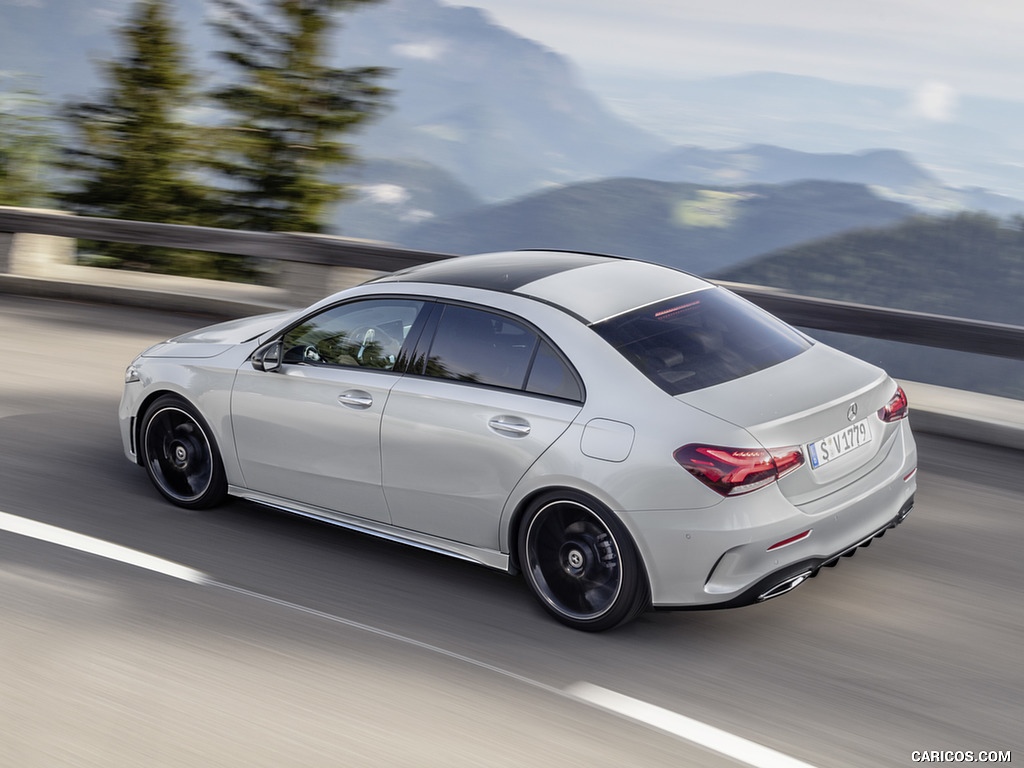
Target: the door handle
(510, 425)
(355, 398)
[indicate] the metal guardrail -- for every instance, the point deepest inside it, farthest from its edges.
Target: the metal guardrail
(978, 336)
(931, 330)
(282, 246)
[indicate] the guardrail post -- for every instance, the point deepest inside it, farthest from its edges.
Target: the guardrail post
(32, 255)
(306, 283)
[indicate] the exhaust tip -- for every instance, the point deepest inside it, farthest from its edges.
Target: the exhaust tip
(785, 586)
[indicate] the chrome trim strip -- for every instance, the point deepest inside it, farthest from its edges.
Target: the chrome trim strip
(486, 557)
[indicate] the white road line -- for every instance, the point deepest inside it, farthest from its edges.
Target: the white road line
(23, 526)
(372, 630)
(699, 733)
(694, 731)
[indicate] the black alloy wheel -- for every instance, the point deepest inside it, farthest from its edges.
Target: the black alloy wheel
(581, 563)
(180, 455)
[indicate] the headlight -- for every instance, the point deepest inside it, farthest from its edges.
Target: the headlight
(131, 374)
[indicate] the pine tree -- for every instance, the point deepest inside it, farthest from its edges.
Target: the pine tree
(287, 112)
(132, 155)
(27, 147)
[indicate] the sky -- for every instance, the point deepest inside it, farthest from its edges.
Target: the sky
(937, 48)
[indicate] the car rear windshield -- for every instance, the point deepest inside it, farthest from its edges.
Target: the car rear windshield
(701, 339)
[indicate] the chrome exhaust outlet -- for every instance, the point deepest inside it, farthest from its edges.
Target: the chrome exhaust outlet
(786, 586)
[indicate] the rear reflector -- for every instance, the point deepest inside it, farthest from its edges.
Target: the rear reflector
(732, 471)
(790, 540)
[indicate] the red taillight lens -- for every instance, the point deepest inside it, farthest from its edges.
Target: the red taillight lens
(895, 409)
(732, 471)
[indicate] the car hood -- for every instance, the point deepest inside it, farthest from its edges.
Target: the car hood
(215, 339)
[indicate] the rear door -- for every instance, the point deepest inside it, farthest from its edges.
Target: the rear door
(485, 397)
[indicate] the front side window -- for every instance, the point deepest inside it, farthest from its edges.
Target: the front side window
(363, 334)
(481, 347)
(701, 339)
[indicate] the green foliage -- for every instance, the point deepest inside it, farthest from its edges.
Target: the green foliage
(132, 155)
(286, 113)
(27, 146)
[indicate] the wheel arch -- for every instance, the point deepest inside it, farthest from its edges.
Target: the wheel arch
(634, 578)
(516, 520)
(152, 397)
(140, 411)
(185, 463)
(527, 502)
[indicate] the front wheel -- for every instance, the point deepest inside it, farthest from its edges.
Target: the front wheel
(581, 563)
(180, 455)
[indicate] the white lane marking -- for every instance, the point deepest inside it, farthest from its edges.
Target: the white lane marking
(23, 526)
(694, 731)
(699, 733)
(370, 629)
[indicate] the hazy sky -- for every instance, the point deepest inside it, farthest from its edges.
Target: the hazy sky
(938, 47)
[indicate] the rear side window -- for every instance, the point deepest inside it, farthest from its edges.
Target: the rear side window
(701, 339)
(481, 347)
(550, 376)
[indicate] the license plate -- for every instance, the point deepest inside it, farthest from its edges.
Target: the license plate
(838, 443)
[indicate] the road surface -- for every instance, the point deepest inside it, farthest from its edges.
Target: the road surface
(297, 644)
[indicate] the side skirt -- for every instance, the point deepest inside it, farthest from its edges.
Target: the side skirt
(486, 557)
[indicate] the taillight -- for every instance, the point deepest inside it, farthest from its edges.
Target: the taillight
(732, 471)
(895, 409)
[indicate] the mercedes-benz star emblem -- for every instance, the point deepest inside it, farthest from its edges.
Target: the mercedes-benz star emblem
(851, 412)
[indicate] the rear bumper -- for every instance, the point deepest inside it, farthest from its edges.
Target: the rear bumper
(760, 545)
(790, 577)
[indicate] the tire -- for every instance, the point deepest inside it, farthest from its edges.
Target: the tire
(581, 562)
(180, 455)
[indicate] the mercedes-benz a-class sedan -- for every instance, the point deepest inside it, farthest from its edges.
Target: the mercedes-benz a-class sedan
(626, 435)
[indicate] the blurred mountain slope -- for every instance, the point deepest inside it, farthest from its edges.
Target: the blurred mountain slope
(502, 113)
(694, 227)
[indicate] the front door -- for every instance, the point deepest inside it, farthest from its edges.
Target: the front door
(310, 431)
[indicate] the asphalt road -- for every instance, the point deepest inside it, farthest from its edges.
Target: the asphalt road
(312, 646)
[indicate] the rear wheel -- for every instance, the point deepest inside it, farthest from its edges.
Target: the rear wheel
(180, 455)
(581, 563)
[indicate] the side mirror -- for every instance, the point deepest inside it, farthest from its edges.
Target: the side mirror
(268, 357)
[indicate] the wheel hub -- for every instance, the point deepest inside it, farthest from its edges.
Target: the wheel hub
(574, 559)
(179, 455)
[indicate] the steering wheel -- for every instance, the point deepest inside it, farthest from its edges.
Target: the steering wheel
(303, 353)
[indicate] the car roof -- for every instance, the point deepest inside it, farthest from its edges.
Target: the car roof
(591, 286)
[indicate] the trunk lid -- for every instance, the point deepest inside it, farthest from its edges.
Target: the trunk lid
(821, 393)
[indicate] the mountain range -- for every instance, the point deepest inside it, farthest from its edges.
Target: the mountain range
(698, 228)
(492, 138)
(967, 141)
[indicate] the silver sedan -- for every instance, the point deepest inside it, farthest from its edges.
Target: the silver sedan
(626, 435)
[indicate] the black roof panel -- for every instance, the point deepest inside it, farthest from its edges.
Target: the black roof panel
(497, 271)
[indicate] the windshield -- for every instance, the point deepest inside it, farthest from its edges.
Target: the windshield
(701, 339)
